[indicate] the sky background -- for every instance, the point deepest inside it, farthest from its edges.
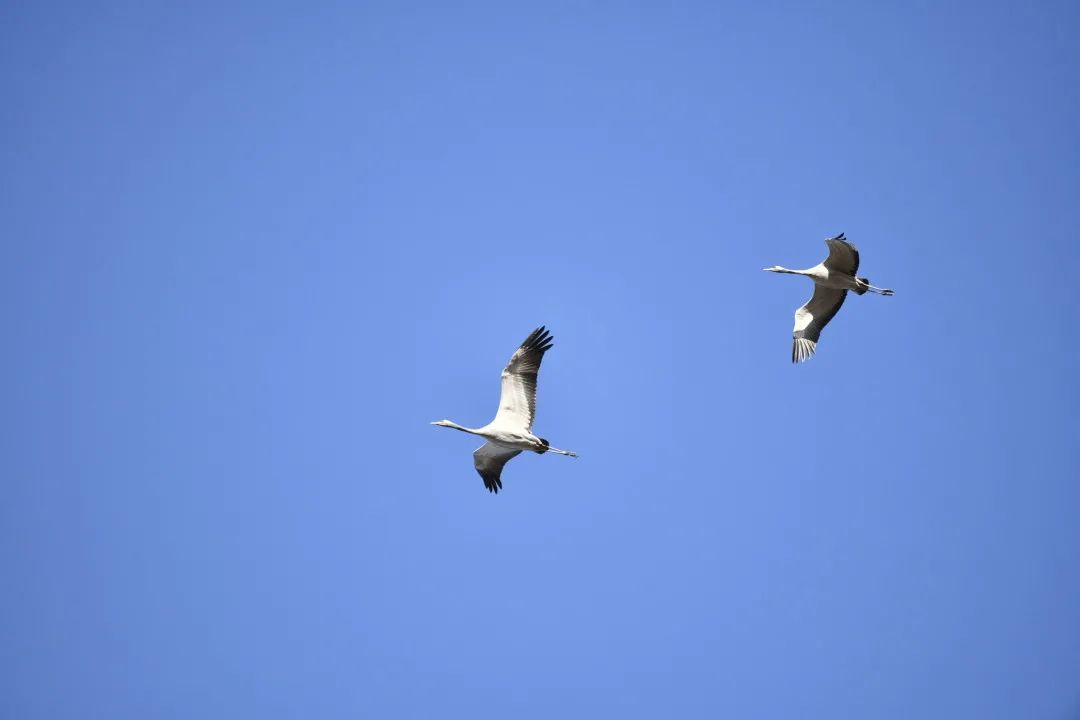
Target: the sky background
(250, 251)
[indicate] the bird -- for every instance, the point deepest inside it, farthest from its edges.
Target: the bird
(832, 277)
(510, 432)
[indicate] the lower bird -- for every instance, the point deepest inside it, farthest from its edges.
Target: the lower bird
(832, 279)
(511, 431)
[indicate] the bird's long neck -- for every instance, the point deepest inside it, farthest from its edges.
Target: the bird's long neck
(791, 272)
(450, 424)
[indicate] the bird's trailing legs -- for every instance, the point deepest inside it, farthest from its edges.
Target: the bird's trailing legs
(880, 291)
(569, 453)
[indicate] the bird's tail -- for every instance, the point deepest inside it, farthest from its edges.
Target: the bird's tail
(864, 285)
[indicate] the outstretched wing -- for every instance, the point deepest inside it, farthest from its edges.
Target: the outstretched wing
(517, 405)
(812, 318)
(489, 460)
(843, 256)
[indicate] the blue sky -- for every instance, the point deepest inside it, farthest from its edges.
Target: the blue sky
(250, 252)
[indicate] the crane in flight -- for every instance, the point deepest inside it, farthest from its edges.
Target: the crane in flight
(511, 431)
(832, 277)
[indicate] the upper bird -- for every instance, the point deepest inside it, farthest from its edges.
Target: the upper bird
(832, 279)
(511, 430)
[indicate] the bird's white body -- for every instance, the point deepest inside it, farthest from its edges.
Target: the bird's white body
(832, 279)
(510, 439)
(510, 433)
(505, 438)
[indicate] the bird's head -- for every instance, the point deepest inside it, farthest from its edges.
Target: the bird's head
(443, 423)
(774, 268)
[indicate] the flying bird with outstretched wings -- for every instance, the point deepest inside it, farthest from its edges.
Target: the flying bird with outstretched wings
(832, 277)
(511, 431)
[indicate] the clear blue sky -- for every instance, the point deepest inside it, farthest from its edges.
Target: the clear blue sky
(250, 252)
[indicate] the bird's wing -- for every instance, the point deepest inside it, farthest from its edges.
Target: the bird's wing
(812, 318)
(489, 460)
(517, 405)
(843, 256)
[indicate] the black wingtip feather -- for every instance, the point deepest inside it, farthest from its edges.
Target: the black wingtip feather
(539, 339)
(802, 351)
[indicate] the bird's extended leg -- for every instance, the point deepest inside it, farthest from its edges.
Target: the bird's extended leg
(569, 453)
(880, 291)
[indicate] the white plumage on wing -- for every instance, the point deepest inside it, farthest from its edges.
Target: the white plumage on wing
(511, 431)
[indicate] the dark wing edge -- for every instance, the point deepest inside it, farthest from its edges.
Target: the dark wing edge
(802, 350)
(525, 365)
(804, 343)
(532, 350)
(489, 460)
(843, 256)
